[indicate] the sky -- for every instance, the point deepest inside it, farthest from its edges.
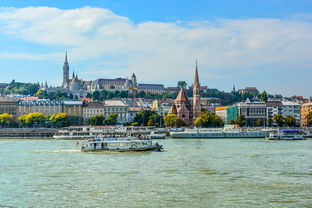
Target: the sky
(261, 43)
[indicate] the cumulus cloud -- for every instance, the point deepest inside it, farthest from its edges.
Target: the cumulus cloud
(154, 49)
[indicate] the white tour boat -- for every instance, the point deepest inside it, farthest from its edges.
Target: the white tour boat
(82, 132)
(229, 131)
(286, 134)
(124, 144)
(157, 135)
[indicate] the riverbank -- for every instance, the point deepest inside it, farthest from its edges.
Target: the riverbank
(26, 133)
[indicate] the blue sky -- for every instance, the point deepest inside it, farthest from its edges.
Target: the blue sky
(264, 43)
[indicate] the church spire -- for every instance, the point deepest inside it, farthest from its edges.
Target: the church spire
(65, 72)
(196, 80)
(196, 96)
(66, 57)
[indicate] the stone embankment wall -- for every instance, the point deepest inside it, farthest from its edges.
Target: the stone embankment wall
(27, 132)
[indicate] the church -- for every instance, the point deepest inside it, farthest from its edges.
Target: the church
(183, 107)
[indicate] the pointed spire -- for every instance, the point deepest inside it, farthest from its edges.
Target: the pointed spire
(196, 81)
(73, 74)
(66, 57)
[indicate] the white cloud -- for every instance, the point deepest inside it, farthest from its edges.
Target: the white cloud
(155, 49)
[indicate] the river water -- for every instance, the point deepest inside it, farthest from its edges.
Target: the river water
(189, 173)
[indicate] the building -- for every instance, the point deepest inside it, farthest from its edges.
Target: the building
(45, 106)
(221, 112)
(172, 89)
(119, 107)
(152, 88)
(274, 107)
(162, 107)
(132, 111)
(91, 109)
(231, 114)
(75, 86)
(249, 90)
(49, 107)
(305, 110)
(292, 109)
(8, 105)
(183, 108)
(253, 111)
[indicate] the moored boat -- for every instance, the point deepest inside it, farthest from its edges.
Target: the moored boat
(123, 144)
(286, 134)
(229, 131)
(157, 135)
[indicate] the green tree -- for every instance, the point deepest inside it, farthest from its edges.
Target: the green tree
(259, 122)
(270, 121)
(144, 116)
(208, 119)
(135, 124)
(96, 95)
(171, 120)
(32, 118)
(278, 118)
(41, 94)
(97, 120)
(290, 121)
(61, 119)
(264, 96)
(6, 119)
(75, 120)
(241, 121)
(309, 119)
(112, 119)
(22, 120)
(182, 84)
(150, 123)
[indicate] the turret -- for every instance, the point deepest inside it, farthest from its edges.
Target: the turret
(65, 73)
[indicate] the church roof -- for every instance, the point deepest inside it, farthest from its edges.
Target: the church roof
(173, 109)
(182, 96)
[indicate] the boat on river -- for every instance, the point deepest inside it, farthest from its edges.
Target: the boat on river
(157, 135)
(122, 144)
(229, 131)
(82, 132)
(286, 134)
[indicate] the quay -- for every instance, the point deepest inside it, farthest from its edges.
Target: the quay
(27, 132)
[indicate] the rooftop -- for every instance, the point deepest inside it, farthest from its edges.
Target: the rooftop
(114, 103)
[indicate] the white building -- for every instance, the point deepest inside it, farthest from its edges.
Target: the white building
(292, 109)
(118, 107)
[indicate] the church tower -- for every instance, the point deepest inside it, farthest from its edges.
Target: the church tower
(65, 73)
(196, 96)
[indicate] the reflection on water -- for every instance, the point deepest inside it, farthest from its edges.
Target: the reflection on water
(189, 173)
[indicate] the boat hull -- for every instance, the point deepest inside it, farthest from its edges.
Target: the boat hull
(217, 136)
(286, 139)
(140, 149)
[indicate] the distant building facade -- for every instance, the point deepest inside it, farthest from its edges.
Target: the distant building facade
(8, 105)
(305, 110)
(253, 111)
(292, 109)
(119, 107)
(91, 109)
(221, 112)
(49, 107)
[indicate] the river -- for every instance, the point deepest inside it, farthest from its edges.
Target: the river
(188, 173)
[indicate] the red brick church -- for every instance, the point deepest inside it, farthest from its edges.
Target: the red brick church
(183, 107)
